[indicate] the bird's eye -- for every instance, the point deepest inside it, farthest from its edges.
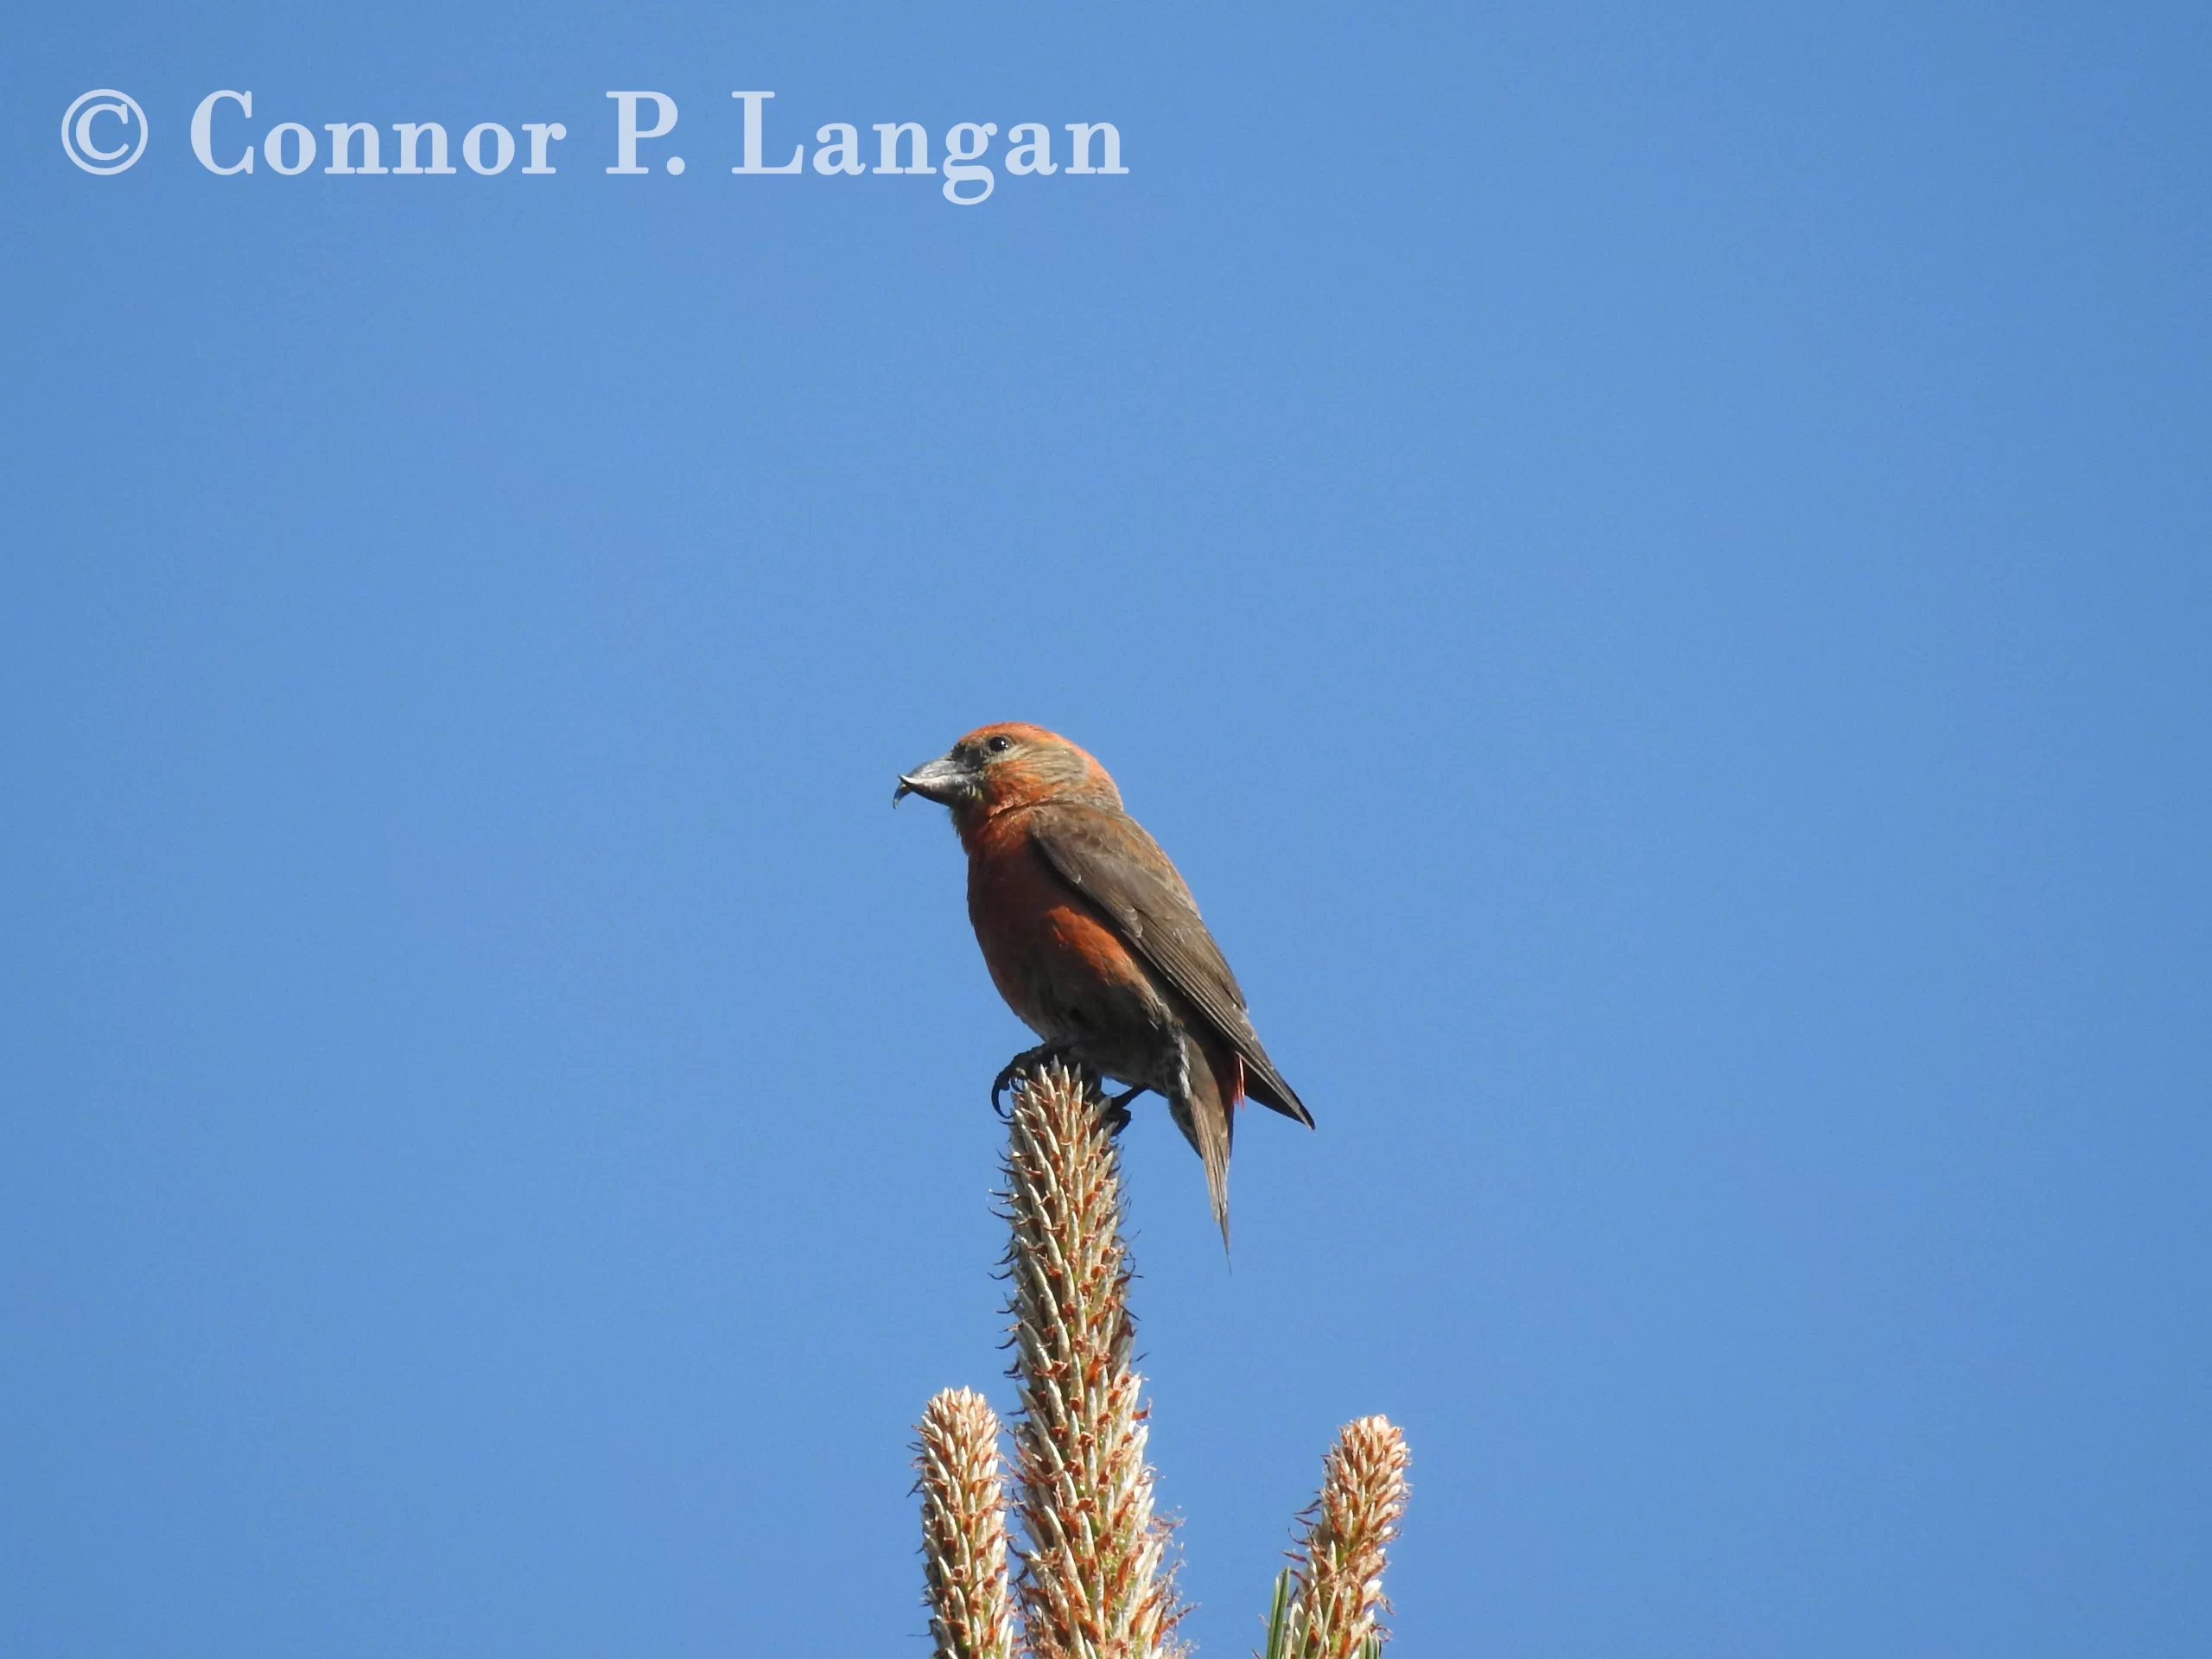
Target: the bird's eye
(999, 745)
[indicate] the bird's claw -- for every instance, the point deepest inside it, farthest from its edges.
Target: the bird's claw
(1027, 1058)
(1115, 1116)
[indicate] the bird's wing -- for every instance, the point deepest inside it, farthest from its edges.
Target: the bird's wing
(1109, 860)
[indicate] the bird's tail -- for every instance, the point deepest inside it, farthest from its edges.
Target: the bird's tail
(1208, 1121)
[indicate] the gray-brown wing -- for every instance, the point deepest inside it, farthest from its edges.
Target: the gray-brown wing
(1109, 860)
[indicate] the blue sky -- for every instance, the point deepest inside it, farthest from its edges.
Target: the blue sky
(1649, 568)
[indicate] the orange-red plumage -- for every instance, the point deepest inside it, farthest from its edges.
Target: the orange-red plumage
(1093, 938)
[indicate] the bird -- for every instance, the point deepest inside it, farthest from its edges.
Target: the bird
(1091, 935)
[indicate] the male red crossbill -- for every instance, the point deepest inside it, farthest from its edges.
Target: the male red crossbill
(1093, 939)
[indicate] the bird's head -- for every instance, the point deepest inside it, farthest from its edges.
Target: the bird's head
(1011, 764)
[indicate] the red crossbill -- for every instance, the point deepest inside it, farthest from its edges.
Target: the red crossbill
(1093, 939)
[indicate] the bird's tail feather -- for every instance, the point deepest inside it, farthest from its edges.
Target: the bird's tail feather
(1208, 1121)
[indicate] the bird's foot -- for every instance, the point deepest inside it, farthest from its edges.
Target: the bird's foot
(1027, 1058)
(1115, 1116)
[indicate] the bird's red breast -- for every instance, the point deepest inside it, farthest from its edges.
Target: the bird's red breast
(1050, 954)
